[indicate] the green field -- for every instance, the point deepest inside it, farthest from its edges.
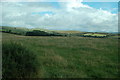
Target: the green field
(98, 35)
(71, 57)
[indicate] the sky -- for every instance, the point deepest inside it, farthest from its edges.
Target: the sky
(71, 15)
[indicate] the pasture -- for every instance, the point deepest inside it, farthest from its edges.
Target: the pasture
(71, 57)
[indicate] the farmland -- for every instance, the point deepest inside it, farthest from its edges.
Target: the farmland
(71, 57)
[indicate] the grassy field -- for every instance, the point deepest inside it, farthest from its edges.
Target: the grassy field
(98, 35)
(71, 57)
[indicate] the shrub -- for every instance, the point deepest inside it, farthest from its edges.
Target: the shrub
(37, 33)
(42, 33)
(18, 61)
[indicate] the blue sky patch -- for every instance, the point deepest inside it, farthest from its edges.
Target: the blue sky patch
(109, 6)
(42, 13)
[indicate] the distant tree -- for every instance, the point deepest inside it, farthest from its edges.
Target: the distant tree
(42, 33)
(9, 31)
(37, 33)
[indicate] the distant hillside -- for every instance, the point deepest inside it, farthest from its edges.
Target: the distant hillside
(44, 32)
(15, 30)
(69, 32)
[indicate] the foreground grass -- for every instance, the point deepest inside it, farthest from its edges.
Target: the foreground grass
(72, 57)
(18, 61)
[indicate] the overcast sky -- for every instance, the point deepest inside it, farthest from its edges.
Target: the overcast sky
(75, 15)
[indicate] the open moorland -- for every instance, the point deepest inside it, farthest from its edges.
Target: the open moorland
(60, 55)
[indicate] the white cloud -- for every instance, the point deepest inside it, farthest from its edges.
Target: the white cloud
(76, 4)
(70, 16)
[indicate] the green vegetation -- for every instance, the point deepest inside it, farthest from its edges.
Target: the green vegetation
(65, 57)
(18, 61)
(41, 32)
(14, 30)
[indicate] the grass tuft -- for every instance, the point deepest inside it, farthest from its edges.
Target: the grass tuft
(18, 61)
